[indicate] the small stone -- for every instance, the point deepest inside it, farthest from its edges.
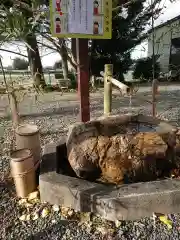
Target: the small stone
(68, 232)
(6, 150)
(28, 205)
(104, 230)
(23, 217)
(35, 200)
(28, 217)
(120, 232)
(22, 201)
(55, 208)
(35, 216)
(63, 218)
(117, 223)
(70, 213)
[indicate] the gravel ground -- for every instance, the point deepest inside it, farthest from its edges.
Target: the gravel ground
(53, 114)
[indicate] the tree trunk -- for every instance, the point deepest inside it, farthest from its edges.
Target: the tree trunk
(93, 81)
(35, 61)
(73, 48)
(63, 53)
(14, 109)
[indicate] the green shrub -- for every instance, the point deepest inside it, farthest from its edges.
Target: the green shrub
(73, 80)
(48, 88)
(58, 75)
(71, 76)
(143, 68)
(58, 65)
(20, 64)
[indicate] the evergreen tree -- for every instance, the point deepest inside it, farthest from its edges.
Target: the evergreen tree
(127, 32)
(20, 64)
(143, 68)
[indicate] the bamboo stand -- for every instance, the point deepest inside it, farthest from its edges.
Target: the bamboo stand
(108, 89)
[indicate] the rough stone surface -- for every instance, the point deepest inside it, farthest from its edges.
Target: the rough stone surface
(118, 147)
(127, 202)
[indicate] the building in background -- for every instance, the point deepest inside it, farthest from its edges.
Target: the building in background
(167, 44)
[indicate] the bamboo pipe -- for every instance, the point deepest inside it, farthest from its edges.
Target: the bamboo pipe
(123, 87)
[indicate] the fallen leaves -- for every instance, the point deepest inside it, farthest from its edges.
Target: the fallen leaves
(105, 231)
(22, 201)
(29, 205)
(32, 198)
(25, 217)
(33, 210)
(67, 212)
(164, 219)
(117, 223)
(33, 195)
(45, 212)
(85, 217)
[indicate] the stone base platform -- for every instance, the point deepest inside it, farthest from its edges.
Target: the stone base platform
(127, 202)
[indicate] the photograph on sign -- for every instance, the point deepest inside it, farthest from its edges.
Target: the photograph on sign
(81, 18)
(98, 25)
(97, 7)
(60, 24)
(60, 6)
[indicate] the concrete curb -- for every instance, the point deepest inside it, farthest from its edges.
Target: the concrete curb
(127, 202)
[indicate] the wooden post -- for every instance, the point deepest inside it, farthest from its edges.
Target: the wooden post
(14, 109)
(83, 78)
(154, 93)
(49, 78)
(108, 71)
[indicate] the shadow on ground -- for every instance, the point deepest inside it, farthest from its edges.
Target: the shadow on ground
(56, 231)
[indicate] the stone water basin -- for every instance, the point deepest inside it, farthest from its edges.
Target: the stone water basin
(82, 170)
(121, 149)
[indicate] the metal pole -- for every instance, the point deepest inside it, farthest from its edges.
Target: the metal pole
(83, 78)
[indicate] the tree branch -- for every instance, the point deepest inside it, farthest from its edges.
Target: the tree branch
(20, 54)
(125, 5)
(47, 46)
(58, 48)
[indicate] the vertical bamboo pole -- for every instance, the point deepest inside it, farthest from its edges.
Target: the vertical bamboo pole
(108, 72)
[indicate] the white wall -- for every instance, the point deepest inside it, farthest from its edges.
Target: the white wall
(163, 43)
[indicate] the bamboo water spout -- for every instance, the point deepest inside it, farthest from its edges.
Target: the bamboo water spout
(123, 87)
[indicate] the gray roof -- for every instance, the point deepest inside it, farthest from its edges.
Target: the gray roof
(166, 23)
